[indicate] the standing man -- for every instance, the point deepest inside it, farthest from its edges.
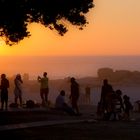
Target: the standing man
(106, 97)
(44, 88)
(74, 96)
(4, 91)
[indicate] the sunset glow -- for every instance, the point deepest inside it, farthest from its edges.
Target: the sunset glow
(113, 29)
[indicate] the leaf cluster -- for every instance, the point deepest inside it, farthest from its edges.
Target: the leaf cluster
(15, 15)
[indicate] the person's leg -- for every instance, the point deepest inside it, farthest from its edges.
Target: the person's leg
(114, 116)
(46, 95)
(89, 99)
(16, 99)
(6, 100)
(75, 106)
(126, 114)
(20, 100)
(2, 100)
(41, 95)
(69, 110)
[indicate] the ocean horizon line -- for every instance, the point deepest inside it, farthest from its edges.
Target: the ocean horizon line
(123, 55)
(61, 66)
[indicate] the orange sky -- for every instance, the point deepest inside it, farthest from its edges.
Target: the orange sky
(114, 29)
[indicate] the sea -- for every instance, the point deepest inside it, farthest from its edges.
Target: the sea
(66, 66)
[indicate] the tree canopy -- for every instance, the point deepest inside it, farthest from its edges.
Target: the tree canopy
(15, 15)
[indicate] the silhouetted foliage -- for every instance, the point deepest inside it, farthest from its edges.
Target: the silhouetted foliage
(15, 15)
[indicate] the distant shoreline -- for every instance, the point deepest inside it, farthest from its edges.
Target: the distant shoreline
(65, 66)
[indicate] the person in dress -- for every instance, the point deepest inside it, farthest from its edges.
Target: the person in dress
(18, 89)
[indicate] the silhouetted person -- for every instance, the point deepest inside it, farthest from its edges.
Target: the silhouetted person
(119, 107)
(127, 107)
(18, 89)
(74, 96)
(44, 88)
(4, 91)
(106, 96)
(87, 94)
(62, 105)
(116, 105)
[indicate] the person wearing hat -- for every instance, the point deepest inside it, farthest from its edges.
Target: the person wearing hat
(18, 89)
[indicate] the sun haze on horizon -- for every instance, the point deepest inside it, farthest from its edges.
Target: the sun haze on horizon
(113, 29)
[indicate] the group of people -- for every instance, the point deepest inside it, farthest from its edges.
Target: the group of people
(74, 96)
(60, 100)
(44, 91)
(4, 90)
(112, 105)
(111, 102)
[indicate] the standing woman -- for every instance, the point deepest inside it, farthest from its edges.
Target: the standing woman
(4, 91)
(74, 96)
(18, 89)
